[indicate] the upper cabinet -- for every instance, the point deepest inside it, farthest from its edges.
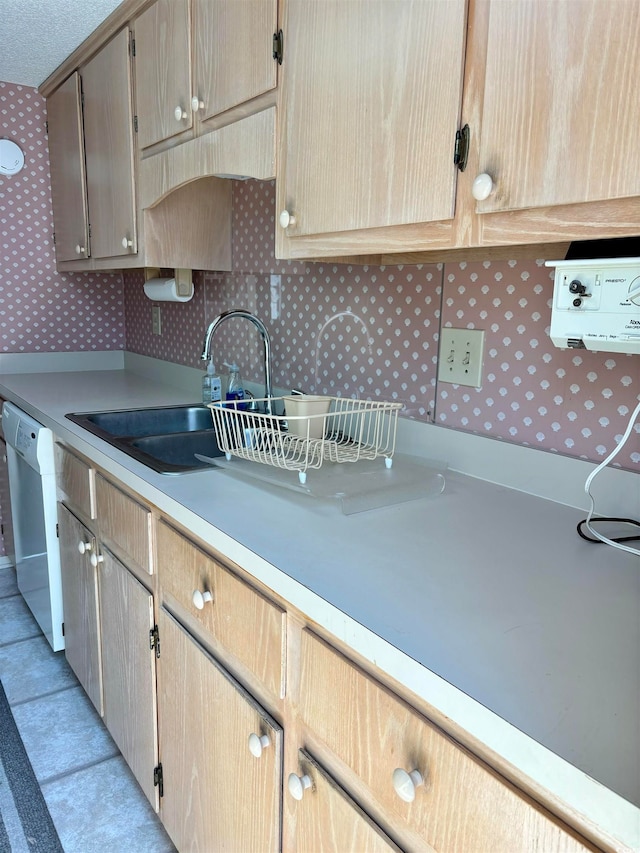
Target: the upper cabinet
(196, 59)
(370, 103)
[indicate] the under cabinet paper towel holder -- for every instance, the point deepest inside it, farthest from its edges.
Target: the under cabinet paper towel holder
(176, 289)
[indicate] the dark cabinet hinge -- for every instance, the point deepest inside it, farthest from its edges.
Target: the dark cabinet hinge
(154, 640)
(54, 238)
(58, 530)
(46, 127)
(278, 46)
(63, 629)
(132, 47)
(158, 781)
(461, 148)
(135, 124)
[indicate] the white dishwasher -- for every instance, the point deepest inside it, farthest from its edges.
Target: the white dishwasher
(32, 484)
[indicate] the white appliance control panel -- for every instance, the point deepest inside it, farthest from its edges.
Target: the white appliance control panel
(596, 304)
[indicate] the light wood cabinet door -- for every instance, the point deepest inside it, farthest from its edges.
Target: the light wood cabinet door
(370, 101)
(108, 136)
(129, 672)
(80, 603)
(233, 52)
(327, 819)
(217, 794)
(125, 525)
(163, 71)
(68, 178)
(76, 482)
(558, 123)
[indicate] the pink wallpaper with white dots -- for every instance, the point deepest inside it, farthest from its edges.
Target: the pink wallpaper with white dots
(42, 310)
(373, 332)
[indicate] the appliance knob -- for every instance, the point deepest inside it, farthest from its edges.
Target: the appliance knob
(287, 220)
(577, 302)
(200, 598)
(405, 784)
(482, 187)
(180, 114)
(634, 291)
(258, 743)
(298, 785)
(577, 287)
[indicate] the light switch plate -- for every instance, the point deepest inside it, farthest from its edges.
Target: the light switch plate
(156, 320)
(461, 353)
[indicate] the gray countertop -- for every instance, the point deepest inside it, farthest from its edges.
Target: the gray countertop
(488, 588)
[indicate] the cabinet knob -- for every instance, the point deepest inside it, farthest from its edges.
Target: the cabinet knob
(257, 743)
(83, 547)
(287, 219)
(200, 598)
(482, 187)
(298, 785)
(196, 104)
(80, 250)
(405, 784)
(96, 559)
(180, 114)
(126, 243)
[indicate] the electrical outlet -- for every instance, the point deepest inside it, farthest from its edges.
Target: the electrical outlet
(461, 352)
(156, 320)
(276, 296)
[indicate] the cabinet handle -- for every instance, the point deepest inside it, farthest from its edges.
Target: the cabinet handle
(180, 114)
(405, 784)
(80, 250)
(298, 785)
(196, 104)
(287, 219)
(482, 187)
(126, 243)
(83, 547)
(96, 559)
(200, 598)
(257, 743)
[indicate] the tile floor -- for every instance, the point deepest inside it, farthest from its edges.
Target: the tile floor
(96, 804)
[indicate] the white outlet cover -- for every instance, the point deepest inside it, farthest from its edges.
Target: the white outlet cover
(461, 355)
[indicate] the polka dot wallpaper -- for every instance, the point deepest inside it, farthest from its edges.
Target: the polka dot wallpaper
(42, 310)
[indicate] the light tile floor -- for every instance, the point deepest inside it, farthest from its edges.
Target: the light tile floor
(94, 800)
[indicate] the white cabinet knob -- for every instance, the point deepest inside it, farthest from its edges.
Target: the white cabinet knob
(83, 547)
(196, 104)
(126, 243)
(200, 598)
(482, 187)
(95, 559)
(257, 743)
(298, 785)
(405, 784)
(80, 250)
(180, 114)
(287, 219)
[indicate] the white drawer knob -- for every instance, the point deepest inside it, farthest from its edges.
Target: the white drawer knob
(180, 114)
(482, 187)
(83, 547)
(287, 219)
(298, 785)
(200, 598)
(126, 243)
(196, 104)
(95, 559)
(80, 250)
(405, 784)
(257, 743)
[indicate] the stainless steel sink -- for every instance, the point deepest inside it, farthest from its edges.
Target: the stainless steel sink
(165, 439)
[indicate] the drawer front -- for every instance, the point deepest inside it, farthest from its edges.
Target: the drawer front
(124, 524)
(76, 480)
(461, 804)
(237, 616)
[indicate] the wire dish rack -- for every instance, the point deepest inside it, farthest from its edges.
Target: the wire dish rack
(350, 430)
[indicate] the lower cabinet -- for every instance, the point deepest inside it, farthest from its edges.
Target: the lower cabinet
(221, 753)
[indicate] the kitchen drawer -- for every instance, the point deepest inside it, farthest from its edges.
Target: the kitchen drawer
(124, 524)
(237, 616)
(76, 481)
(461, 805)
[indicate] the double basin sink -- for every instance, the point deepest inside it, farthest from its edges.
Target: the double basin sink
(165, 438)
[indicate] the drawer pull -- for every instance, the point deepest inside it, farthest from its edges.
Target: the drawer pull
(200, 598)
(405, 784)
(298, 785)
(83, 547)
(96, 559)
(257, 743)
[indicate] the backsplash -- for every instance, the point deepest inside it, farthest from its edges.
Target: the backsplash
(42, 310)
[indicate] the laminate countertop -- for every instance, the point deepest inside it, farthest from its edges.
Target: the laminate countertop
(482, 599)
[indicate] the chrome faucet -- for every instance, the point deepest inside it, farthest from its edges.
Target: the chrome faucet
(266, 340)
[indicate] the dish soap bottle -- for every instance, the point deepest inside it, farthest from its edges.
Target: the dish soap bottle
(211, 385)
(235, 391)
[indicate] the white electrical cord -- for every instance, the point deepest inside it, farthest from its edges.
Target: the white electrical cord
(596, 471)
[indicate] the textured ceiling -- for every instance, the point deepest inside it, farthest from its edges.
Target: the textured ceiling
(37, 35)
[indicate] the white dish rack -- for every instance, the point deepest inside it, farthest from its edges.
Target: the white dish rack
(350, 430)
